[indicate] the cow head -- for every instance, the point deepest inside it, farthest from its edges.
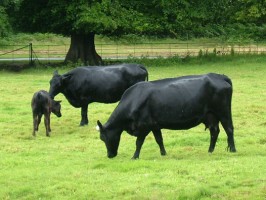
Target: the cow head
(56, 83)
(111, 140)
(56, 108)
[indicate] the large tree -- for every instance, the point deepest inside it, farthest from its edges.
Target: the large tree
(80, 20)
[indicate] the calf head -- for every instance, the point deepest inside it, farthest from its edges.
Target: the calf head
(111, 140)
(56, 108)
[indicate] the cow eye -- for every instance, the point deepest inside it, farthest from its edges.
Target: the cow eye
(102, 137)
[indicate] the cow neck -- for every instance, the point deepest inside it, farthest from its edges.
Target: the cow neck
(114, 125)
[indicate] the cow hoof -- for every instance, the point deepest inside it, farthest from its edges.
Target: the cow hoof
(210, 150)
(133, 158)
(83, 124)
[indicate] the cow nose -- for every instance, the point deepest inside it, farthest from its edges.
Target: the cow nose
(52, 96)
(112, 155)
(59, 115)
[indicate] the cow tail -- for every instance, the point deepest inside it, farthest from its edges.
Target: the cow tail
(144, 68)
(228, 80)
(223, 77)
(147, 78)
(39, 96)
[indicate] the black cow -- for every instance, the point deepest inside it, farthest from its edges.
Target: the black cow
(84, 85)
(174, 103)
(42, 104)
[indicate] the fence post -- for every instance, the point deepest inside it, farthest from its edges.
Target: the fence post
(48, 46)
(116, 50)
(30, 54)
(134, 49)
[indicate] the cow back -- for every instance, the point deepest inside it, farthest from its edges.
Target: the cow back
(84, 85)
(174, 103)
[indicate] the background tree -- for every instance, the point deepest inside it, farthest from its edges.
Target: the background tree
(8, 9)
(251, 11)
(80, 20)
(195, 18)
(5, 27)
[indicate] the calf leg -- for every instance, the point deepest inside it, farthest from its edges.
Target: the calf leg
(36, 122)
(47, 124)
(214, 132)
(84, 115)
(39, 118)
(139, 143)
(159, 139)
(229, 129)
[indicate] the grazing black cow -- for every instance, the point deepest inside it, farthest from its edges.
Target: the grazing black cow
(174, 103)
(84, 85)
(42, 104)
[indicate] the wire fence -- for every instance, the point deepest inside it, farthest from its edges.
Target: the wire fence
(49, 53)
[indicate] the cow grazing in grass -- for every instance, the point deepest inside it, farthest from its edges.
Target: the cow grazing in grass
(173, 103)
(84, 85)
(42, 104)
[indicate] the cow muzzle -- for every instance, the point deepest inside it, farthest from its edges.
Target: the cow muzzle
(111, 155)
(52, 96)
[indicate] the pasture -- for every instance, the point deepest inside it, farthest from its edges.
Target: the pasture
(73, 163)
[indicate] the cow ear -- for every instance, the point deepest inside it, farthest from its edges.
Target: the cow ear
(66, 77)
(55, 72)
(100, 126)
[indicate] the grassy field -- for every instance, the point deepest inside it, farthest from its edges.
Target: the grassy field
(72, 163)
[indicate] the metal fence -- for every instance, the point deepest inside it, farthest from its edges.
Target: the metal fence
(49, 53)
(153, 50)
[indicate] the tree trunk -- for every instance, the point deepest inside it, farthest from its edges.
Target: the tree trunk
(82, 48)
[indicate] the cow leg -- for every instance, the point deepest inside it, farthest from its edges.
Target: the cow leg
(47, 124)
(159, 139)
(139, 143)
(35, 118)
(229, 129)
(214, 132)
(84, 115)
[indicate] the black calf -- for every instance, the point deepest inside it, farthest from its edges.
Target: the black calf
(43, 104)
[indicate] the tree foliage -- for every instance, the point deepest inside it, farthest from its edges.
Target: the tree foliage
(67, 17)
(5, 27)
(251, 11)
(175, 18)
(82, 19)
(5, 21)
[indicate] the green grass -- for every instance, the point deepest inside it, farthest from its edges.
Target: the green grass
(72, 163)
